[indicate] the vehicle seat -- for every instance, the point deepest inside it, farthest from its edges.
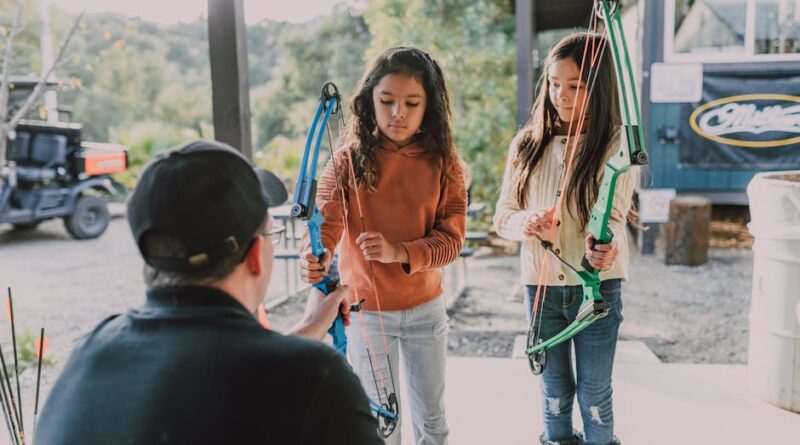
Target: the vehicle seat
(19, 150)
(46, 154)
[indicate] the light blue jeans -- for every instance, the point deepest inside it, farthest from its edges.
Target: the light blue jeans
(420, 335)
(594, 359)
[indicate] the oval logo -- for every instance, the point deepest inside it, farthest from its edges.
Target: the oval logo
(718, 120)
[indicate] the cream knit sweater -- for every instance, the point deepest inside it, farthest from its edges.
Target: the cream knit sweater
(509, 219)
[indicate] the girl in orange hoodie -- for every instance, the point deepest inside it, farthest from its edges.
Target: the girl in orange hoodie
(397, 210)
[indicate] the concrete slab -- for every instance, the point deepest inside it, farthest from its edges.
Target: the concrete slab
(496, 401)
(635, 352)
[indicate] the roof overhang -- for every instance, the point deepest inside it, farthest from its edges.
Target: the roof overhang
(561, 14)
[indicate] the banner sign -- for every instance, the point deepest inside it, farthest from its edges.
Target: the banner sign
(744, 121)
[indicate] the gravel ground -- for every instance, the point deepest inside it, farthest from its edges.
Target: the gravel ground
(686, 315)
(683, 314)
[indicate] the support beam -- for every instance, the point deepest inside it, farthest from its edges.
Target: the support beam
(227, 43)
(525, 81)
(649, 19)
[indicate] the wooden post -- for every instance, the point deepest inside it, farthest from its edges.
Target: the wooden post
(687, 231)
(230, 87)
(525, 48)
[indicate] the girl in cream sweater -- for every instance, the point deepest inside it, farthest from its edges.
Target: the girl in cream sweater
(553, 172)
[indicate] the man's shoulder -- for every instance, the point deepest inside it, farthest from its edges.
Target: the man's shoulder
(104, 330)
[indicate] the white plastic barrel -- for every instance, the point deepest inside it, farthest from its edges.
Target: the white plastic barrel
(773, 362)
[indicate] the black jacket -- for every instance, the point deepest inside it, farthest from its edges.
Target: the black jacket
(194, 367)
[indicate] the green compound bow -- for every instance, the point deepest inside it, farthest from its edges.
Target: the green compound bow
(631, 152)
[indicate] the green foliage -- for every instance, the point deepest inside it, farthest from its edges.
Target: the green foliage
(282, 156)
(146, 138)
(126, 71)
(27, 354)
(26, 44)
(330, 48)
(148, 86)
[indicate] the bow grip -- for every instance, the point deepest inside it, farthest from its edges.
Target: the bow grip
(585, 262)
(326, 286)
(338, 336)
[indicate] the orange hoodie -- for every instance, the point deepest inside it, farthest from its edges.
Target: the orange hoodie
(415, 204)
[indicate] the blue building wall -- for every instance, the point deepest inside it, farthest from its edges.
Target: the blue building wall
(723, 186)
(665, 167)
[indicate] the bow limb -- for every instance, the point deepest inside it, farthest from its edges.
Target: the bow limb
(592, 308)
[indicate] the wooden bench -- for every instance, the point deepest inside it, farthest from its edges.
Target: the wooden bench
(466, 253)
(455, 277)
(477, 236)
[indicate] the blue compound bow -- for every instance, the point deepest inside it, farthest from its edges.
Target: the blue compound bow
(304, 207)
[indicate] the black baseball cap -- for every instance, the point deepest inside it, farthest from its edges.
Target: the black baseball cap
(206, 195)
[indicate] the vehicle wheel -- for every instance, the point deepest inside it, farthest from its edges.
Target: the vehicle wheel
(24, 227)
(90, 218)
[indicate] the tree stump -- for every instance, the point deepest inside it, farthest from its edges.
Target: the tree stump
(687, 231)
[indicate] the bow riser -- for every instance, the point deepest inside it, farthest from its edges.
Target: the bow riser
(328, 284)
(601, 211)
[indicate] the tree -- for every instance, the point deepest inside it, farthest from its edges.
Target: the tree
(328, 48)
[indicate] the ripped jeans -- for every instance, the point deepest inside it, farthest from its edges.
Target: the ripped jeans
(594, 359)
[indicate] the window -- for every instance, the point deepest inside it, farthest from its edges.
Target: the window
(732, 30)
(777, 27)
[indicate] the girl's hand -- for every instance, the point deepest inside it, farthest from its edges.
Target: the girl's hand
(539, 222)
(602, 257)
(374, 247)
(311, 268)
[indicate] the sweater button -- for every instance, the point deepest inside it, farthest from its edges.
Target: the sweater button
(561, 277)
(558, 251)
(564, 141)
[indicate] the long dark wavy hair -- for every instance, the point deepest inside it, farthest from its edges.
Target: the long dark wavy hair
(436, 135)
(602, 121)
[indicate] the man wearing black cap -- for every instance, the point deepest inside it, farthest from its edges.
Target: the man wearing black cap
(193, 365)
